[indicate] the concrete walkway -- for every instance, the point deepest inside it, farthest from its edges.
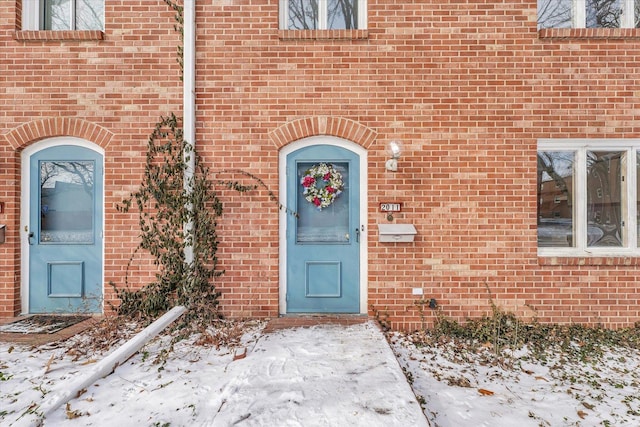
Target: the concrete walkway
(330, 372)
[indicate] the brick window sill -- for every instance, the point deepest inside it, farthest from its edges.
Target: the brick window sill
(34, 36)
(323, 34)
(590, 261)
(589, 33)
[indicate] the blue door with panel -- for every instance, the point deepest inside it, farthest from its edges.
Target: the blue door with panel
(65, 230)
(323, 239)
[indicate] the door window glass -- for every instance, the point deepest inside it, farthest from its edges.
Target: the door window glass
(66, 201)
(328, 224)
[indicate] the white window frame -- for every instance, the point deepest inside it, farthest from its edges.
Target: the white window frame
(31, 15)
(580, 14)
(322, 14)
(630, 245)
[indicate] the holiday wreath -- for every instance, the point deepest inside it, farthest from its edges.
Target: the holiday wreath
(322, 183)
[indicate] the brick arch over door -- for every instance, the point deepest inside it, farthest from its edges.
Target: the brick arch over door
(27, 133)
(323, 125)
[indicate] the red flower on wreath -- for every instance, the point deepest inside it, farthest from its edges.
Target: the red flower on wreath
(330, 189)
(308, 181)
(317, 201)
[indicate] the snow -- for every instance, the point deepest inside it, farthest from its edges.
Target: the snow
(479, 388)
(319, 376)
(324, 375)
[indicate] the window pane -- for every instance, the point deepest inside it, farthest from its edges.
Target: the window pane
(604, 198)
(323, 225)
(303, 14)
(555, 198)
(554, 13)
(57, 15)
(89, 14)
(636, 15)
(603, 13)
(66, 202)
(342, 14)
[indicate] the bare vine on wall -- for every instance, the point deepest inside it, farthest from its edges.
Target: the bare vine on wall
(177, 214)
(165, 201)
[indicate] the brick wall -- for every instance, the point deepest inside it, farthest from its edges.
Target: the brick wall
(468, 86)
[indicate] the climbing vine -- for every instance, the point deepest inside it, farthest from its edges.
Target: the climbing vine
(177, 215)
(179, 27)
(167, 200)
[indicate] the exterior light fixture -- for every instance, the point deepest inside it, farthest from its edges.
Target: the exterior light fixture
(394, 154)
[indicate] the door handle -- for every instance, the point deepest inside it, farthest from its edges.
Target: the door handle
(357, 235)
(30, 236)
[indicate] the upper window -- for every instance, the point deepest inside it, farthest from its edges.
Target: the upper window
(63, 14)
(588, 198)
(323, 14)
(588, 14)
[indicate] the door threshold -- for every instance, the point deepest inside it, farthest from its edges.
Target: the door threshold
(306, 320)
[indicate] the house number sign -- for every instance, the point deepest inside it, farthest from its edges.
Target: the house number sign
(390, 207)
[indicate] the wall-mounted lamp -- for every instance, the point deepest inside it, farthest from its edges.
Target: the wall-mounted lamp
(394, 152)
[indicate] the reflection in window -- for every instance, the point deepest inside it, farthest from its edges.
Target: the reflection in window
(66, 201)
(73, 14)
(322, 14)
(303, 14)
(555, 198)
(555, 14)
(587, 14)
(604, 198)
(603, 13)
(342, 14)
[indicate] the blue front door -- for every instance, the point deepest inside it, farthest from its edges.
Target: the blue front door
(323, 238)
(65, 230)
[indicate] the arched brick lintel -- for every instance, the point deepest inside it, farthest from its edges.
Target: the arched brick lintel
(323, 125)
(28, 133)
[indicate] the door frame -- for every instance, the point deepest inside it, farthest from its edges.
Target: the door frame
(25, 185)
(362, 154)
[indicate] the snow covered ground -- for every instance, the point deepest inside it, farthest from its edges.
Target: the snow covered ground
(319, 376)
(466, 387)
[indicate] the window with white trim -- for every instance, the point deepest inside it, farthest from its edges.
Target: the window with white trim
(597, 185)
(63, 15)
(588, 14)
(323, 14)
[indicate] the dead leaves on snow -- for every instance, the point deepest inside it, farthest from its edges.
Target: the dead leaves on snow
(71, 414)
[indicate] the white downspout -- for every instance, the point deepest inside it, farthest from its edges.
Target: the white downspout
(189, 100)
(102, 369)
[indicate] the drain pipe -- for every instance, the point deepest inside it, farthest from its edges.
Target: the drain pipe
(189, 101)
(106, 366)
